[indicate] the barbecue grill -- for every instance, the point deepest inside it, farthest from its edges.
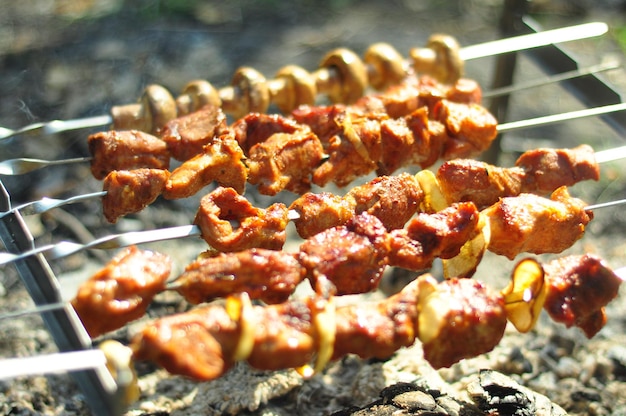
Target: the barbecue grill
(43, 281)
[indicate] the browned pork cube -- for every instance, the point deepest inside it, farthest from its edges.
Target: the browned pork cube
(126, 150)
(130, 191)
(186, 136)
(121, 291)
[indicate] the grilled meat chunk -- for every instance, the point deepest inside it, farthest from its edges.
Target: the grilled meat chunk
(319, 212)
(352, 256)
(578, 289)
(377, 330)
(428, 236)
(548, 169)
(121, 291)
(256, 128)
(130, 191)
(267, 275)
(254, 228)
(391, 199)
(285, 161)
(533, 224)
(185, 136)
(126, 150)
(457, 319)
(539, 171)
(220, 161)
(479, 182)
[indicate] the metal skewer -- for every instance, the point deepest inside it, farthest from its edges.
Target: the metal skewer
(482, 50)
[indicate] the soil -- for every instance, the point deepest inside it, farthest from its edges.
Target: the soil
(62, 59)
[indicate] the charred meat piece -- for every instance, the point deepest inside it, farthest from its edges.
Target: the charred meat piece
(377, 330)
(186, 136)
(548, 169)
(404, 98)
(353, 149)
(198, 344)
(352, 256)
(471, 128)
(533, 224)
(539, 171)
(391, 199)
(479, 182)
(121, 291)
(254, 228)
(267, 275)
(126, 150)
(443, 234)
(130, 191)
(428, 236)
(319, 212)
(256, 128)
(578, 289)
(285, 161)
(220, 161)
(457, 319)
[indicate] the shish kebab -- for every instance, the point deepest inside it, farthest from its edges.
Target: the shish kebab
(306, 334)
(209, 120)
(343, 76)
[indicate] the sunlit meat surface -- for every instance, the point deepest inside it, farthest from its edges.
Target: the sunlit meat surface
(130, 191)
(126, 150)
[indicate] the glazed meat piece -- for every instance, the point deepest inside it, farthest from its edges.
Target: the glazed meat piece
(396, 101)
(549, 169)
(186, 136)
(122, 290)
(391, 199)
(377, 330)
(126, 150)
(428, 236)
(198, 344)
(284, 336)
(442, 234)
(220, 161)
(479, 182)
(398, 144)
(578, 289)
(320, 119)
(130, 191)
(255, 128)
(457, 319)
(353, 150)
(470, 126)
(319, 212)
(352, 257)
(204, 343)
(533, 224)
(284, 161)
(254, 228)
(414, 92)
(431, 92)
(267, 275)
(539, 171)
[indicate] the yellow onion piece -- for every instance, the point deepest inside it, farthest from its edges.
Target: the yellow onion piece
(239, 308)
(466, 262)
(434, 198)
(525, 295)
